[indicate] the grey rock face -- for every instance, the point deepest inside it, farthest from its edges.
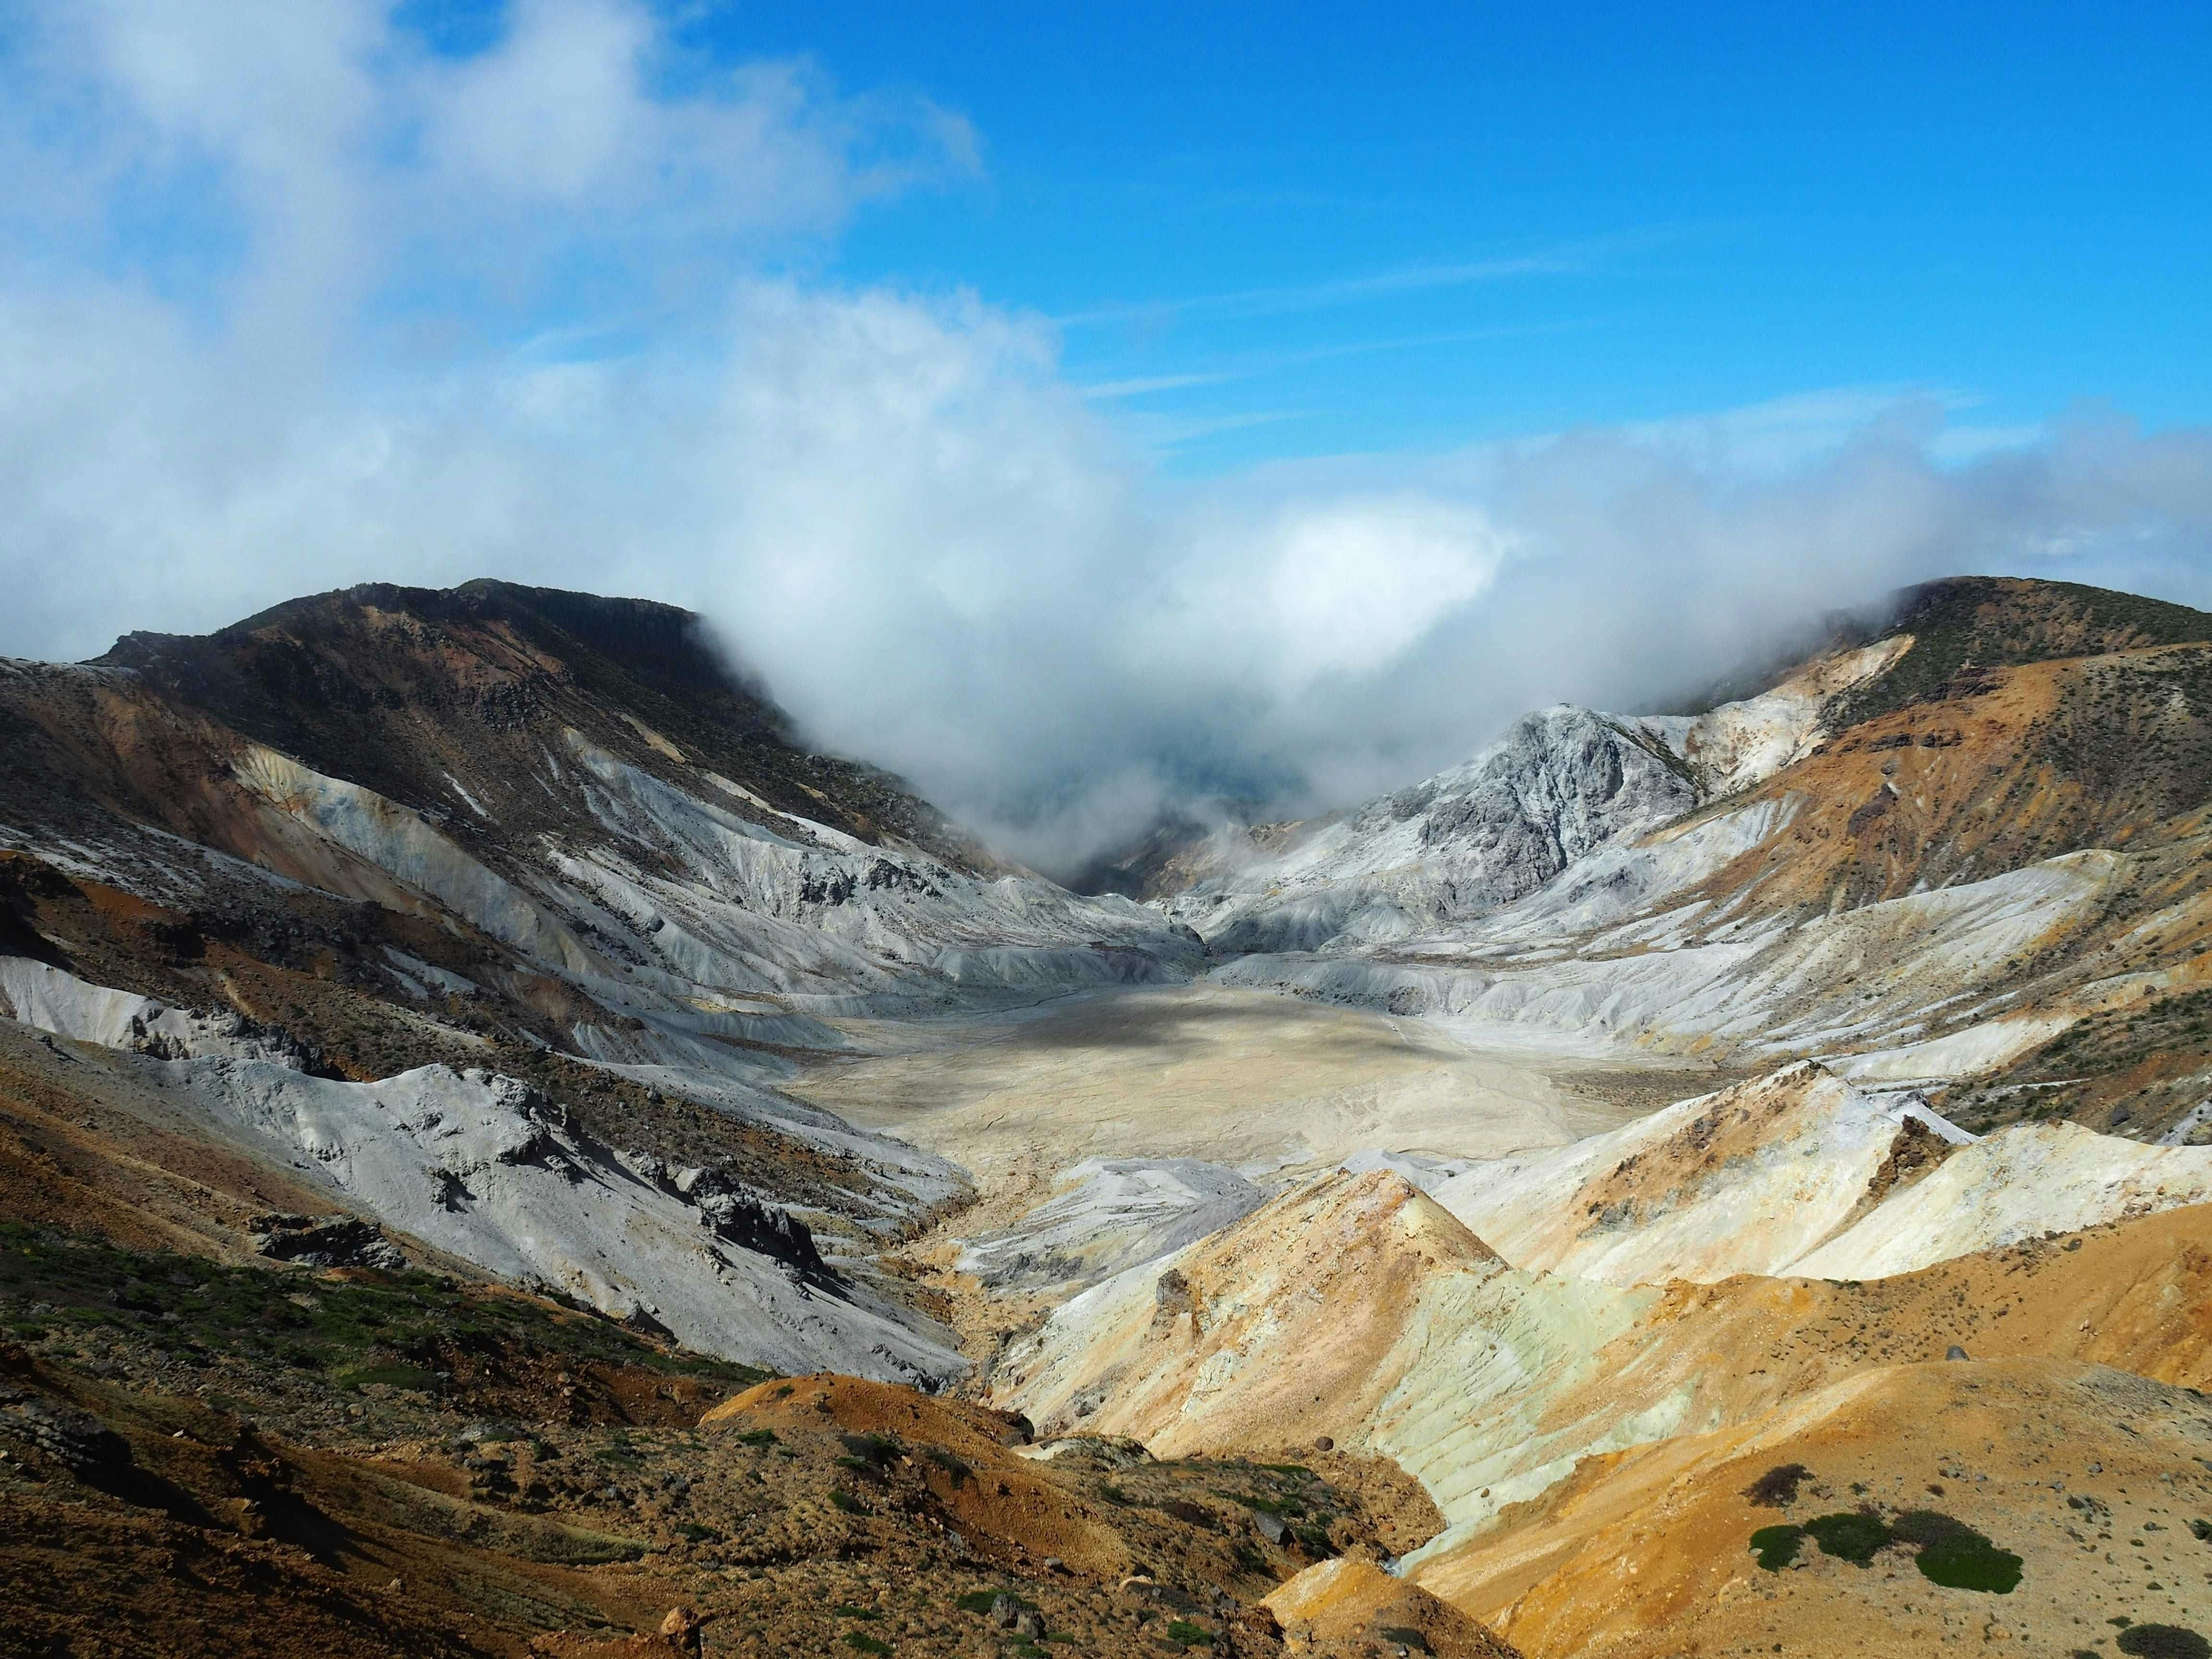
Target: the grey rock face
(330, 1240)
(1561, 783)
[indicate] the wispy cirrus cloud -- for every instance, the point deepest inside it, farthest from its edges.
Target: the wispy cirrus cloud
(1145, 385)
(1318, 296)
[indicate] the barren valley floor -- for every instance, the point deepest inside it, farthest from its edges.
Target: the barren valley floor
(1268, 1084)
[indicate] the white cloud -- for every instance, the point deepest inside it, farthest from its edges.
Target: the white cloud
(941, 554)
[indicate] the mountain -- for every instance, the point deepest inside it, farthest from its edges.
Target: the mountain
(1966, 856)
(1566, 1427)
(503, 1150)
(452, 901)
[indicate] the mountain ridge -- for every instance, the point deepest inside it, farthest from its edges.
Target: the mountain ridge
(470, 1028)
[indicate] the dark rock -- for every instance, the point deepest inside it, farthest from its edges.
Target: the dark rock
(77, 1440)
(330, 1240)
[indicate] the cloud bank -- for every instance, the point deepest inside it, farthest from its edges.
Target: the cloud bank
(292, 299)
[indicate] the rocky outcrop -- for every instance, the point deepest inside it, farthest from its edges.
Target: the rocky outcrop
(329, 1241)
(1106, 1215)
(1559, 784)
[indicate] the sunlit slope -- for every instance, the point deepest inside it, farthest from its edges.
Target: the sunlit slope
(2080, 1482)
(1799, 1172)
(1359, 1309)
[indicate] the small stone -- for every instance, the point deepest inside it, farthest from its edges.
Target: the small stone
(1955, 1352)
(680, 1630)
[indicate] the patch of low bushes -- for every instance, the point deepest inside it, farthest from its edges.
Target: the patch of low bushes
(2163, 1642)
(1948, 1550)
(1777, 1488)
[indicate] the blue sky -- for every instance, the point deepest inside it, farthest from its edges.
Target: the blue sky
(1082, 410)
(1688, 208)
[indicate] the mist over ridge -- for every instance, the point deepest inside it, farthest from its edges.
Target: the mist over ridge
(444, 347)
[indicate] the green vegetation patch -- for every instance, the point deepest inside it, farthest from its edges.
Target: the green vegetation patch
(1948, 1552)
(1184, 1634)
(393, 1374)
(365, 1329)
(872, 1451)
(2163, 1642)
(1953, 1554)
(843, 1500)
(1776, 1546)
(1852, 1535)
(954, 1465)
(861, 1641)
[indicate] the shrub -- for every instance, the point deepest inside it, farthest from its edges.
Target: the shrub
(840, 1499)
(976, 1600)
(2163, 1642)
(757, 1438)
(1778, 1487)
(1953, 1554)
(870, 1450)
(1852, 1535)
(1776, 1546)
(861, 1642)
(959, 1468)
(1948, 1552)
(1183, 1633)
